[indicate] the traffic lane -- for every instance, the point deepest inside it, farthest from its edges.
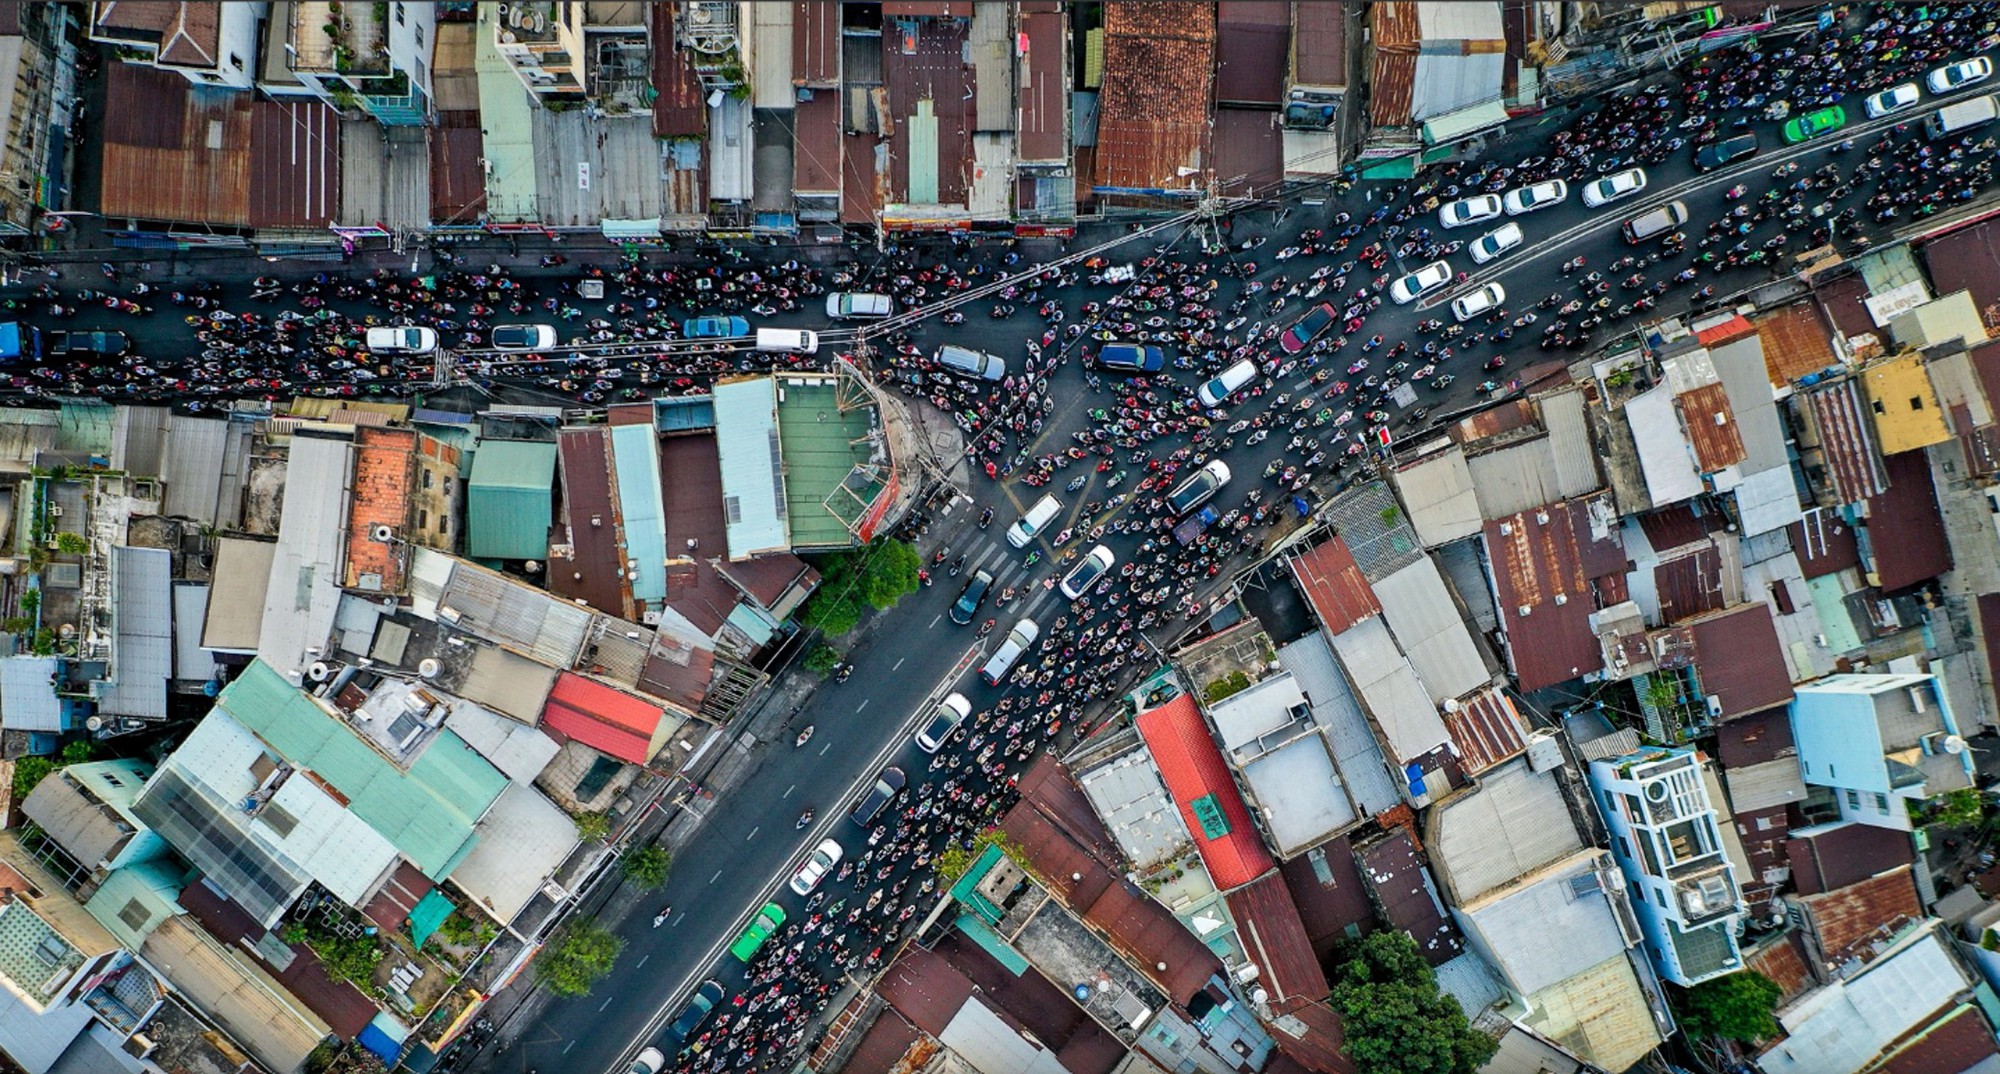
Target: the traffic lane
(738, 854)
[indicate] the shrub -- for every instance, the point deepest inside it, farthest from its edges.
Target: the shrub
(647, 866)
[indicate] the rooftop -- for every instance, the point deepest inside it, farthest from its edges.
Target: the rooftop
(184, 34)
(172, 153)
(835, 459)
(1832, 856)
(1395, 699)
(508, 499)
(1904, 403)
(1159, 65)
(1210, 805)
(1437, 488)
(1905, 529)
(1710, 427)
(1546, 566)
(753, 482)
(1394, 871)
(1486, 729)
(1575, 897)
(1423, 615)
(1849, 460)
(1739, 661)
(1269, 734)
(1849, 1023)
(1512, 823)
(1850, 926)
(605, 719)
(1333, 584)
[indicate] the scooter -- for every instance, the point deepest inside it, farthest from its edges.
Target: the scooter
(661, 917)
(805, 736)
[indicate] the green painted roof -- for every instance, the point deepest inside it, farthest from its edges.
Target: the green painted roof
(133, 901)
(428, 914)
(510, 500)
(822, 444)
(427, 812)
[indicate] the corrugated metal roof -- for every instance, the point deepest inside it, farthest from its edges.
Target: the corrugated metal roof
(1267, 922)
(753, 491)
(1514, 478)
(1574, 456)
(1710, 427)
(521, 844)
(1549, 569)
(1601, 1015)
(637, 453)
(1795, 343)
(1159, 65)
(172, 153)
(1194, 771)
(1663, 451)
(1859, 1016)
(458, 181)
(1850, 925)
(1438, 492)
(990, 47)
(1424, 618)
(681, 109)
(1831, 856)
(245, 1003)
(1391, 692)
(607, 720)
(517, 615)
(816, 42)
(1252, 43)
(1767, 500)
(303, 593)
(1356, 752)
(1740, 364)
(1512, 823)
(592, 570)
(1739, 661)
(1333, 584)
(295, 156)
(1043, 126)
(1905, 529)
(142, 654)
(138, 439)
(1518, 925)
(510, 500)
(1395, 872)
(234, 619)
(1137, 810)
(28, 699)
(1961, 1041)
(1319, 44)
(428, 811)
(1485, 730)
(194, 448)
(816, 126)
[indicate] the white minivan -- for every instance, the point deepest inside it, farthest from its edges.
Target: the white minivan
(858, 305)
(796, 340)
(1019, 640)
(1227, 383)
(403, 339)
(1034, 521)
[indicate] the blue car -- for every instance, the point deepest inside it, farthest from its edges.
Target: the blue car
(714, 327)
(1131, 358)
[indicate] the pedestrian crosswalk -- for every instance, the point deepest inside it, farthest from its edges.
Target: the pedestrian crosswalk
(991, 553)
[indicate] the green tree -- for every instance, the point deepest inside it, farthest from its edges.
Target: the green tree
(822, 659)
(1955, 809)
(1397, 1022)
(1738, 1007)
(78, 752)
(591, 826)
(832, 614)
(647, 866)
(350, 959)
(890, 573)
(579, 956)
(29, 771)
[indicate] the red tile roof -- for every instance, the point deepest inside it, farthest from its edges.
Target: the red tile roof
(1735, 328)
(1267, 922)
(1711, 427)
(1159, 66)
(1334, 585)
(1845, 924)
(1824, 543)
(1553, 570)
(1961, 1041)
(295, 155)
(384, 467)
(1486, 729)
(1193, 769)
(1905, 529)
(1739, 660)
(609, 721)
(1834, 856)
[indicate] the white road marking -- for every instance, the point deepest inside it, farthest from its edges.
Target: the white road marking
(753, 833)
(572, 1044)
(863, 705)
(823, 749)
(789, 790)
(607, 1003)
(717, 876)
(899, 664)
(934, 620)
(642, 962)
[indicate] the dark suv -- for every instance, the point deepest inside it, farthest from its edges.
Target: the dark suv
(1715, 155)
(970, 598)
(887, 786)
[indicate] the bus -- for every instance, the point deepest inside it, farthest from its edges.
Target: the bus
(1964, 115)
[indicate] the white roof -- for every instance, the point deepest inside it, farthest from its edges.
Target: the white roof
(1439, 496)
(1768, 500)
(28, 699)
(1515, 478)
(191, 661)
(1389, 687)
(1355, 750)
(1425, 621)
(1127, 793)
(1286, 761)
(1664, 455)
(142, 655)
(753, 490)
(1517, 926)
(1513, 823)
(517, 749)
(1846, 1024)
(1747, 382)
(521, 842)
(304, 592)
(1574, 457)
(241, 579)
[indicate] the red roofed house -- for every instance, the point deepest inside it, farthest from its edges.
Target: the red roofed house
(610, 721)
(1549, 566)
(1159, 72)
(1334, 585)
(1211, 806)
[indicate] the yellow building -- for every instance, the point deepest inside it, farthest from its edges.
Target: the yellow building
(1904, 405)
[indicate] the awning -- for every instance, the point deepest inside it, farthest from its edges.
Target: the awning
(617, 230)
(1453, 126)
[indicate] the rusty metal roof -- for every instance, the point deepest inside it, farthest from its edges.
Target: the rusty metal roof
(1961, 1041)
(1395, 32)
(1739, 660)
(1251, 46)
(1334, 585)
(595, 526)
(1319, 43)
(1689, 585)
(1831, 857)
(1402, 887)
(171, 154)
(458, 182)
(815, 43)
(1796, 342)
(1487, 729)
(1848, 454)
(1043, 93)
(1545, 575)
(681, 109)
(1905, 528)
(1159, 67)
(1267, 921)
(1847, 923)
(1711, 427)
(816, 144)
(295, 155)
(1824, 543)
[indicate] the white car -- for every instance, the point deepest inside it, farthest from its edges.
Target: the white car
(1495, 242)
(819, 863)
(402, 339)
(1227, 383)
(1081, 577)
(1959, 75)
(1527, 199)
(1469, 210)
(1614, 186)
(650, 1061)
(523, 337)
(951, 712)
(1488, 298)
(1421, 282)
(1893, 99)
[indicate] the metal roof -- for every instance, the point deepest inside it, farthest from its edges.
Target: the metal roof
(828, 445)
(1043, 95)
(518, 750)
(428, 811)
(1195, 774)
(509, 499)
(1664, 455)
(295, 156)
(1513, 822)
(1740, 364)
(199, 484)
(1485, 730)
(753, 484)
(609, 721)
(1138, 812)
(138, 439)
(636, 452)
(1333, 584)
(192, 663)
(242, 575)
(174, 152)
(1905, 529)
(1356, 751)
(1424, 618)
(1319, 44)
(1514, 478)
(527, 620)
(1515, 926)
(1390, 691)
(304, 593)
(1739, 662)
(521, 844)
(1849, 1024)
(224, 986)
(1438, 492)
(1159, 67)
(1253, 39)
(28, 700)
(142, 654)
(1268, 925)
(1546, 565)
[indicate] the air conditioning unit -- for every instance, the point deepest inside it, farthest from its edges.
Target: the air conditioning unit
(1714, 892)
(1714, 706)
(651, 618)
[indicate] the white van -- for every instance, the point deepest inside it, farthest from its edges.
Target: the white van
(967, 362)
(1648, 224)
(1199, 486)
(797, 340)
(1017, 644)
(1034, 522)
(857, 305)
(1230, 381)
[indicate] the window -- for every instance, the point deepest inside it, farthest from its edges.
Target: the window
(399, 12)
(427, 479)
(1916, 402)
(448, 484)
(423, 519)
(236, 61)
(420, 44)
(444, 523)
(1659, 898)
(1879, 408)
(111, 778)
(134, 915)
(1881, 802)
(1853, 799)
(1624, 848)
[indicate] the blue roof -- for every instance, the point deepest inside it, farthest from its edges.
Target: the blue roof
(636, 451)
(753, 490)
(28, 694)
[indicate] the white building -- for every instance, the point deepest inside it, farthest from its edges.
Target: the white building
(1880, 742)
(208, 43)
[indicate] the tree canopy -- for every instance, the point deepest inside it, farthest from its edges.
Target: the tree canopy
(1738, 1007)
(853, 581)
(647, 866)
(1396, 1020)
(579, 957)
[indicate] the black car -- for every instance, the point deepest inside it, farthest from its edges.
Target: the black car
(887, 786)
(699, 1007)
(1715, 155)
(970, 598)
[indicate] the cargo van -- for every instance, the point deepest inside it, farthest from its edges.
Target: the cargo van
(1964, 115)
(857, 305)
(794, 340)
(1019, 641)
(1034, 522)
(967, 362)
(1658, 222)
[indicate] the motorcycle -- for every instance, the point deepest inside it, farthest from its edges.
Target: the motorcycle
(805, 736)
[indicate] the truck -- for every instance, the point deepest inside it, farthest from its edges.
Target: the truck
(109, 344)
(18, 341)
(1194, 524)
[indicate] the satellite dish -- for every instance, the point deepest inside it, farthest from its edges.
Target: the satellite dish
(429, 667)
(533, 566)
(1451, 704)
(95, 723)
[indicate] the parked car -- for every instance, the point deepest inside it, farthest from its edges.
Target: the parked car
(951, 712)
(814, 869)
(715, 328)
(1957, 76)
(1613, 187)
(1813, 124)
(1421, 282)
(1496, 242)
(1308, 328)
(1892, 100)
(523, 337)
(1469, 210)
(1528, 199)
(887, 786)
(971, 597)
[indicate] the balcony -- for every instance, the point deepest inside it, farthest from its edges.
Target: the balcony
(529, 24)
(1705, 896)
(335, 37)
